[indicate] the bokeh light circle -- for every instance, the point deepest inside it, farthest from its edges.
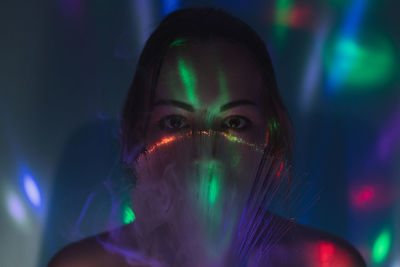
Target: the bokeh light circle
(32, 190)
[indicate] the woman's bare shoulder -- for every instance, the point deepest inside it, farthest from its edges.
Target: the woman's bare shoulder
(88, 252)
(312, 245)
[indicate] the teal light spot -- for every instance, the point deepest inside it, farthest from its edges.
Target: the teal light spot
(127, 215)
(381, 247)
(360, 66)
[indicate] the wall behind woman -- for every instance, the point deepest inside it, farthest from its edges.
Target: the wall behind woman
(66, 66)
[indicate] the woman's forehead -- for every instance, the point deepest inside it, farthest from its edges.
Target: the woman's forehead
(209, 73)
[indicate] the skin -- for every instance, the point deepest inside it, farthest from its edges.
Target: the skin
(216, 85)
(213, 85)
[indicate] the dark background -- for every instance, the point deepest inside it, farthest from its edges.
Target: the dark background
(66, 66)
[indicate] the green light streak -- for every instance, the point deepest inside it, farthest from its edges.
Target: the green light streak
(214, 183)
(189, 80)
(381, 247)
(127, 215)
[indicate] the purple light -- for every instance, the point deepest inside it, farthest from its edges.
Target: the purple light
(389, 139)
(32, 190)
(16, 208)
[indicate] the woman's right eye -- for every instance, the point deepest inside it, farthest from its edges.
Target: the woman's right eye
(173, 122)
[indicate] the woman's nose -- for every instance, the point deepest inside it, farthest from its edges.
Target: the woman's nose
(205, 121)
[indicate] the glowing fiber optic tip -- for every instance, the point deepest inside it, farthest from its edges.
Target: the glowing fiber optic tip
(32, 190)
(127, 215)
(381, 247)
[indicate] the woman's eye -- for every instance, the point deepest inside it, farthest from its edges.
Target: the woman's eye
(173, 122)
(236, 122)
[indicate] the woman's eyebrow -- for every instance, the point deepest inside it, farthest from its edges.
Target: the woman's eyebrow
(176, 103)
(236, 103)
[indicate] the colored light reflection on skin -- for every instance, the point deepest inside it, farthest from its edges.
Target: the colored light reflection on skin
(214, 173)
(32, 190)
(223, 86)
(189, 80)
(381, 247)
(128, 216)
(326, 252)
(16, 208)
(209, 190)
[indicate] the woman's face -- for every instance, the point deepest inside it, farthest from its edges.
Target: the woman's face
(197, 186)
(209, 86)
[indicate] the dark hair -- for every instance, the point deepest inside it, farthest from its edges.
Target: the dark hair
(197, 24)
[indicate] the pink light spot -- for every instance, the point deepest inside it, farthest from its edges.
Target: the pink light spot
(363, 196)
(326, 250)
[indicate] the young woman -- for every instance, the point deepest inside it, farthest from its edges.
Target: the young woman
(209, 140)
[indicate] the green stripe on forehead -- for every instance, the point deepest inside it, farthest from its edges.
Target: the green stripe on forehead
(189, 80)
(223, 86)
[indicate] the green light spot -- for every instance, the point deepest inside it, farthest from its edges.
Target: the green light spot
(282, 17)
(127, 215)
(189, 80)
(381, 247)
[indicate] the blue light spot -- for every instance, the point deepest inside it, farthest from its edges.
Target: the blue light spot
(169, 6)
(16, 208)
(32, 190)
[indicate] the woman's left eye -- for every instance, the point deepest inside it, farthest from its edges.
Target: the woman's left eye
(173, 123)
(236, 122)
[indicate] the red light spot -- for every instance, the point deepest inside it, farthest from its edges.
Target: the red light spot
(326, 251)
(363, 196)
(299, 17)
